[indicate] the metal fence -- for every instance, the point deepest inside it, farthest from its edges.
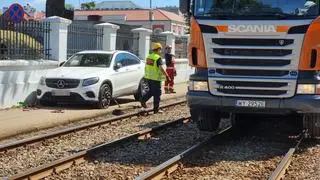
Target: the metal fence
(181, 47)
(160, 39)
(83, 36)
(24, 40)
(128, 41)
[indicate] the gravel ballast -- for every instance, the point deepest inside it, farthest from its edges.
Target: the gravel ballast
(135, 158)
(305, 163)
(252, 156)
(23, 158)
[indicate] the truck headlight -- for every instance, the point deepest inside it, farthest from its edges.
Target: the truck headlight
(42, 81)
(90, 81)
(198, 86)
(306, 88)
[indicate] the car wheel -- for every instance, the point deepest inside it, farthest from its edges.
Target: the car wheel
(142, 90)
(105, 96)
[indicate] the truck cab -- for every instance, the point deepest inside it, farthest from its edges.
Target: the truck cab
(254, 57)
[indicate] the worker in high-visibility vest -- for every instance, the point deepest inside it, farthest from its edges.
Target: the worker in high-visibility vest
(154, 75)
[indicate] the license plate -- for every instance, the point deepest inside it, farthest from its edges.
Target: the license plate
(60, 93)
(253, 104)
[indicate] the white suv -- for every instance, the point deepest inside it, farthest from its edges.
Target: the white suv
(93, 76)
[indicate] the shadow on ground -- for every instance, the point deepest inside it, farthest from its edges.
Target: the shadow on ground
(260, 140)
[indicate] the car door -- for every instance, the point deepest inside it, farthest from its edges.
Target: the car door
(120, 79)
(135, 71)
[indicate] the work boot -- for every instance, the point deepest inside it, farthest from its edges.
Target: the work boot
(172, 91)
(166, 91)
(157, 111)
(143, 104)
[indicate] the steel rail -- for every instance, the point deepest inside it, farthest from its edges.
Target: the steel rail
(27, 141)
(65, 163)
(285, 162)
(173, 164)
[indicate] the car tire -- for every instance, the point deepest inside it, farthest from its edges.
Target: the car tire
(312, 123)
(142, 90)
(105, 96)
(207, 119)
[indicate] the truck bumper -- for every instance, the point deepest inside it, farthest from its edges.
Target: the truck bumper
(296, 104)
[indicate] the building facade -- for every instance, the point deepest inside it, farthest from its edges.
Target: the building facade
(158, 20)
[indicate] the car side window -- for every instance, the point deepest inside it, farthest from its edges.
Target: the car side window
(121, 58)
(132, 60)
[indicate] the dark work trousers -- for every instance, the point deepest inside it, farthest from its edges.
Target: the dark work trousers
(155, 91)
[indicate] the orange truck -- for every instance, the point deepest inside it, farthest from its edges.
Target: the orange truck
(254, 57)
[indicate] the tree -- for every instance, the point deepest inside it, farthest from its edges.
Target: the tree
(69, 6)
(90, 5)
(55, 8)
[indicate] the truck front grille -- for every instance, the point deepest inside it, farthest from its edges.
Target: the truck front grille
(253, 92)
(252, 42)
(252, 62)
(252, 67)
(252, 52)
(241, 72)
(252, 84)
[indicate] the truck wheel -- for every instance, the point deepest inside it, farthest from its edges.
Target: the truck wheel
(312, 123)
(207, 120)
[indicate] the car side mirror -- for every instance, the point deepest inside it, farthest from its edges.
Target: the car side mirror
(117, 66)
(62, 63)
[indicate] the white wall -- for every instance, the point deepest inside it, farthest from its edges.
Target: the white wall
(19, 80)
(183, 71)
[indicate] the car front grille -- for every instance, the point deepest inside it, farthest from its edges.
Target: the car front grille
(62, 83)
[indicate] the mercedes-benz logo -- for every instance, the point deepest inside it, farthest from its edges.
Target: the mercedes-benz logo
(61, 84)
(281, 42)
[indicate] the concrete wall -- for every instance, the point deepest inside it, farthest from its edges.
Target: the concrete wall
(183, 71)
(19, 80)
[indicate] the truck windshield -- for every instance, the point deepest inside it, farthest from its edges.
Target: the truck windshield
(257, 9)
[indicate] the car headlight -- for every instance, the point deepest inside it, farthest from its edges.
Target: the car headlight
(90, 81)
(308, 89)
(42, 81)
(198, 86)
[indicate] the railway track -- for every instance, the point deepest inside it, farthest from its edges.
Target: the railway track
(241, 155)
(280, 171)
(75, 159)
(36, 139)
(173, 164)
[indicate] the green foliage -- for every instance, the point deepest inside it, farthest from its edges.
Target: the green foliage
(69, 6)
(89, 5)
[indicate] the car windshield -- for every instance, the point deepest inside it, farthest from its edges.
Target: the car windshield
(89, 60)
(262, 9)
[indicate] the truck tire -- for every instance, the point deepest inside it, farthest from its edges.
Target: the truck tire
(207, 119)
(312, 123)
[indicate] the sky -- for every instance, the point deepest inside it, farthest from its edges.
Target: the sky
(40, 4)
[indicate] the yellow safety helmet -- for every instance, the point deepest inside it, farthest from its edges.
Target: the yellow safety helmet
(156, 46)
